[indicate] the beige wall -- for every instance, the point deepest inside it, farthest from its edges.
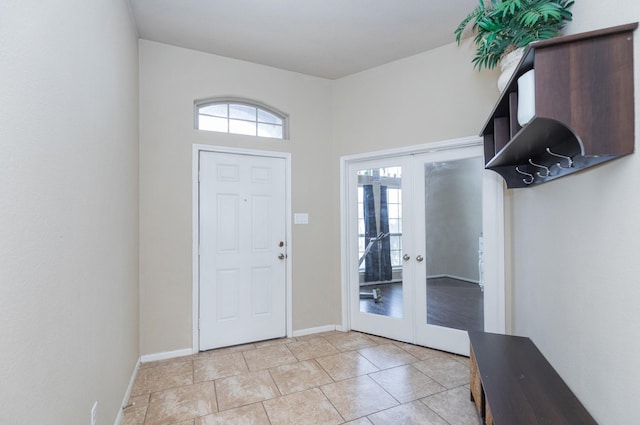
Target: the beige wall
(68, 210)
(171, 79)
(576, 251)
(429, 97)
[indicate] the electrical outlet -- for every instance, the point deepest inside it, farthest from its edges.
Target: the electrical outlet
(94, 410)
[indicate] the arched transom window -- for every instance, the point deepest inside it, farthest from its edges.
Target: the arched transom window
(239, 116)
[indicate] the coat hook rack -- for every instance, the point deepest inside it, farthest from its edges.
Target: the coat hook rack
(568, 158)
(526, 181)
(545, 168)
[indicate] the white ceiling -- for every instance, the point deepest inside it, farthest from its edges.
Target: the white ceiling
(325, 38)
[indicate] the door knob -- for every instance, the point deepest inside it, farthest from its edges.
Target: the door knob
(281, 256)
(419, 258)
(406, 257)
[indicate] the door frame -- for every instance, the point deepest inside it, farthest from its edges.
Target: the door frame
(493, 225)
(195, 228)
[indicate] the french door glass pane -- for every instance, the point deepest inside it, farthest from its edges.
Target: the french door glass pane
(380, 241)
(453, 223)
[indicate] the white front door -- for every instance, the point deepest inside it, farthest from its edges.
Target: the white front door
(242, 235)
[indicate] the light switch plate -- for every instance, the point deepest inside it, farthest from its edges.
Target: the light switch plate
(301, 218)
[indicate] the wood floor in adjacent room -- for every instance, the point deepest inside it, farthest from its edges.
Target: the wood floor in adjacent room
(327, 378)
(451, 303)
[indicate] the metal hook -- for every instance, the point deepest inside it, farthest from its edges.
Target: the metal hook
(545, 168)
(526, 174)
(568, 158)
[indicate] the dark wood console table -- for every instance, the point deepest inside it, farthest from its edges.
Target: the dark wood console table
(512, 383)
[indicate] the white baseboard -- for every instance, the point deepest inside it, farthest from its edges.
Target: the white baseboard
(310, 331)
(146, 359)
(464, 279)
(127, 394)
(166, 355)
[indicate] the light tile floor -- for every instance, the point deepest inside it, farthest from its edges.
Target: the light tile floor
(328, 378)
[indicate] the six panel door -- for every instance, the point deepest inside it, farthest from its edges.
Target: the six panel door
(242, 260)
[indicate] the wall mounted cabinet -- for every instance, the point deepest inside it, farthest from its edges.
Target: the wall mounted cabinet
(582, 108)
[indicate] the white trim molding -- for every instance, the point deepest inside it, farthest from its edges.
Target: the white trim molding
(127, 394)
(146, 358)
(317, 330)
(494, 253)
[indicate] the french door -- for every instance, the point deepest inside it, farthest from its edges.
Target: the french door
(416, 253)
(448, 281)
(380, 291)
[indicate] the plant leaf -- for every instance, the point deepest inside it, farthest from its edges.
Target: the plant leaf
(500, 25)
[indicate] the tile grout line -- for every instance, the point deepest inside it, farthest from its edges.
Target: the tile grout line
(332, 405)
(265, 412)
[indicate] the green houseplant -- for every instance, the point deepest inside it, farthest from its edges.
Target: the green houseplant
(501, 26)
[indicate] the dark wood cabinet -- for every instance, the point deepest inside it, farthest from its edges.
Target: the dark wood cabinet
(584, 108)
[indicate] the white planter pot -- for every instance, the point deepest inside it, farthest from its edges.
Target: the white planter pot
(508, 66)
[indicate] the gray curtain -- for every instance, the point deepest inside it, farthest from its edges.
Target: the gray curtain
(370, 231)
(377, 264)
(385, 245)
